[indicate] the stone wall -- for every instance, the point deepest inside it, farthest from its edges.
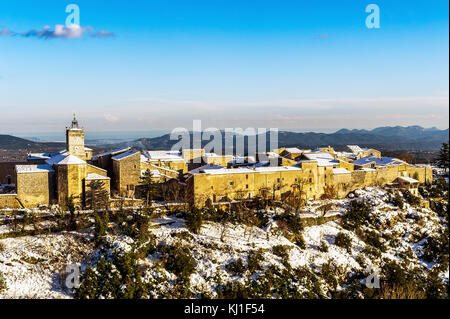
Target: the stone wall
(9, 201)
(127, 173)
(314, 180)
(34, 189)
(69, 182)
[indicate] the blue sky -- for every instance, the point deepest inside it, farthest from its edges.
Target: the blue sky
(260, 63)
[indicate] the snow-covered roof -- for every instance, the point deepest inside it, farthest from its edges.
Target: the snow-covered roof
(243, 170)
(113, 152)
(156, 174)
(354, 148)
(94, 176)
(35, 156)
(408, 179)
(365, 169)
(205, 167)
(164, 168)
(165, 156)
(65, 160)
(293, 150)
(378, 161)
(124, 155)
(322, 158)
(20, 169)
(340, 170)
(243, 159)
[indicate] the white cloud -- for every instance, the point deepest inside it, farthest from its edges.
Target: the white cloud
(59, 32)
(110, 117)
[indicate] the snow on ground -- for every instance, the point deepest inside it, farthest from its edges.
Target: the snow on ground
(31, 264)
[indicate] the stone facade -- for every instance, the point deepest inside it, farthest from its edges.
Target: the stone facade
(127, 173)
(34, 189)
(277, 182)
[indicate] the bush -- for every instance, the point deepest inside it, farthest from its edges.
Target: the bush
(436, 289)
(261, 219)
(411, 199)
(373, 238)
(292, 221)
(194, 220)
(329, 273)
(323, 247)
(281, 251)
(237, 267)
(344, 241)
(101, 227)
(178, 260)
(397, 200)
(358, 214)
(118, 277)
(372, 252)
(436, 249)
(255, 259)
(300, 241)
(2, 283)
(233, 290)
(399, 282)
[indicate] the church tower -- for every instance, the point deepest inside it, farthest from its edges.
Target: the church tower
(75, 140)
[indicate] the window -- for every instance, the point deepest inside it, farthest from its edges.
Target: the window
(310, 180)
(278, 180)
(231, 184)
(246, 176)
(212, 187)
(246, 186)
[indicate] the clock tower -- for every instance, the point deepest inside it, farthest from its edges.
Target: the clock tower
(75, 139)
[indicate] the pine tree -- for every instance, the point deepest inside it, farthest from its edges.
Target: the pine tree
(149, 187)
(443, 158)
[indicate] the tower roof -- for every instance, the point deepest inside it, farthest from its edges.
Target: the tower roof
(74, 124)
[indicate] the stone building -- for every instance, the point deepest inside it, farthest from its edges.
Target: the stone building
(53, 178)
(315, 174)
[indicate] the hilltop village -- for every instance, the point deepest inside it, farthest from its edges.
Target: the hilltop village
(197, 177)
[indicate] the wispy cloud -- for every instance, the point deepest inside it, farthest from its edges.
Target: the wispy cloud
(110, 117)
(59, 32)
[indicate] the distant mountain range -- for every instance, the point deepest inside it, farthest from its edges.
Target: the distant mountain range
(385, 138)
(9, 142)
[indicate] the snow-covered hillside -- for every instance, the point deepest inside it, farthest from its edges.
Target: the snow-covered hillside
(330, 257)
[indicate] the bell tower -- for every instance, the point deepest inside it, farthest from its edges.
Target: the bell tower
(75, 139)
